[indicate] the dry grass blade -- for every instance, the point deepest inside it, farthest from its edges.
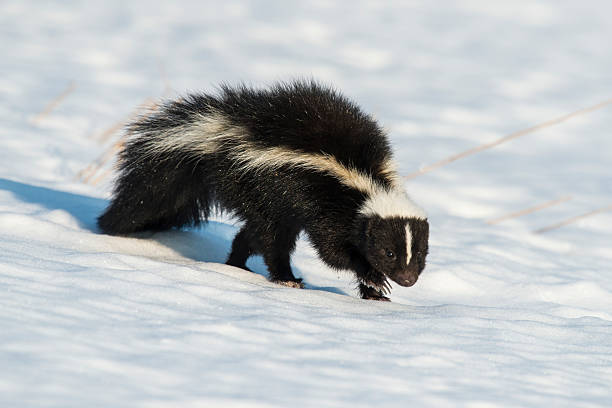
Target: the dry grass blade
(504, 139)
(108, 132)
(92, 168)
(147, 104)
(529, 210)
(101, 177)
(573, 219)
(87, 175)
(55, 102)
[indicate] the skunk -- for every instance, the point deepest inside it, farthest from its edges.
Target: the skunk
(298, 156)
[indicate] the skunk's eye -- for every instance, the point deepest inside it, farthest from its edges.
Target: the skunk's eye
(390, 253)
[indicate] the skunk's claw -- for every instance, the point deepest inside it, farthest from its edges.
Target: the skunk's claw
(385, 287)
(372, 293)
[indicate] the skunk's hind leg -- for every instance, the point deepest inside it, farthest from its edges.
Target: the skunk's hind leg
(277, 245)
(242, 248)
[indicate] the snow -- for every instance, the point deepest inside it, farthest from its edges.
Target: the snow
(502, 316)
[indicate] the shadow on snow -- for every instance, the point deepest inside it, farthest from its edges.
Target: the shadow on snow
(209, 243)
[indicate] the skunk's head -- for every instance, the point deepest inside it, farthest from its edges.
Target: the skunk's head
(395, 246)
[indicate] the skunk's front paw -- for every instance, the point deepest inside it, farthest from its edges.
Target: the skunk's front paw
(375, 293)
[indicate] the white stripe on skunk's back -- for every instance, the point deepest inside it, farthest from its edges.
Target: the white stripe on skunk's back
(214, 132)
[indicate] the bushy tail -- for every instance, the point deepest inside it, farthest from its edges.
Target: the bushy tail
(158, 190)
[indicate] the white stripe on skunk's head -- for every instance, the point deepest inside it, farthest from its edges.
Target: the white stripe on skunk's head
(408, 233)
(394, 236)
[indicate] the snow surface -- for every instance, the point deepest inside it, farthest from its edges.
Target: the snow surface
(501, 316)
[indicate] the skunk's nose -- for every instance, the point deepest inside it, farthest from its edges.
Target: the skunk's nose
(410, 281)
(406, 278)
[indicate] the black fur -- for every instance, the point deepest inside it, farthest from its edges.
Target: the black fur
(160, 189)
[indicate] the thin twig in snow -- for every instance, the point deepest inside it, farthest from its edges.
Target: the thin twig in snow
(148, 103)
(573, 219)
(55, 102)
(529, 210)
(504, 139)
(87, 174)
